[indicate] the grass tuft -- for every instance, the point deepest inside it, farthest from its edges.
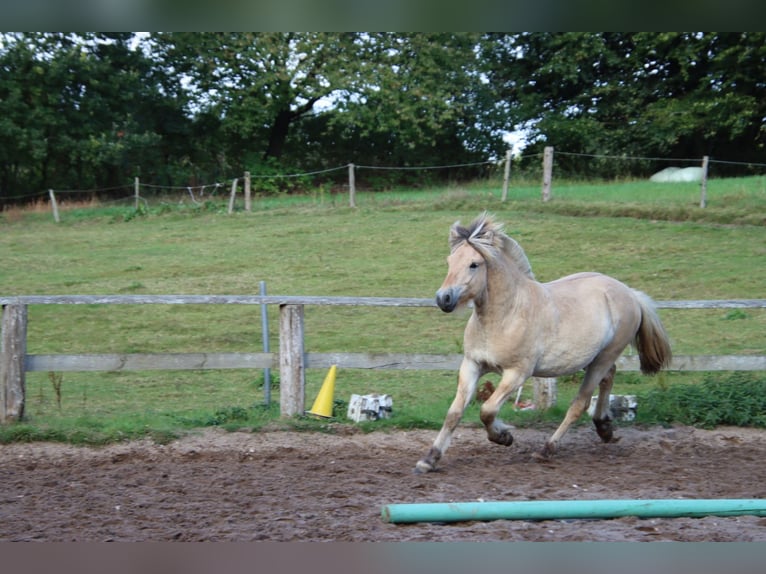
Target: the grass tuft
(737, 399)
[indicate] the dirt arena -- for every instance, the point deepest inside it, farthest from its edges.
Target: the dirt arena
(285, 486)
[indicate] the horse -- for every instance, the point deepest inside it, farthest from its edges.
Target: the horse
(521, 328)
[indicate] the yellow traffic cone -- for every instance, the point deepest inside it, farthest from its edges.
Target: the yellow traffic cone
(323, 403)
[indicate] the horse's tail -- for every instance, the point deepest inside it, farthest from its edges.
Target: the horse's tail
(652, 342)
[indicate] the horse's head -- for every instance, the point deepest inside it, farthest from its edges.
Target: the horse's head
(474, 251)
(466, 278)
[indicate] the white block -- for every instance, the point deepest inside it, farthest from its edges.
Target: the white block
(621, 407)
(370, 407)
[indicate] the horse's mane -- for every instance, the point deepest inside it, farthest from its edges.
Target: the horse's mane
(488, 238)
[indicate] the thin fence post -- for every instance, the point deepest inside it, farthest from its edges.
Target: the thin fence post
(265, 335)
(292, 361)
(248, 200)
(54, 206)
(506, 174)
(13, 354)
(351, 186)
(703, 185)
(232, 195)
(136, 191)
(544, 392)
(547, 172)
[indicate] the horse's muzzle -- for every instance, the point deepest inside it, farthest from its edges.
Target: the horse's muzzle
(447, 299)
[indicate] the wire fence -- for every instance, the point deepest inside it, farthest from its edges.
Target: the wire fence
(690, 160)
(520, 167)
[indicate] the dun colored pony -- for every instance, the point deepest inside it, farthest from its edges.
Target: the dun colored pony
(522, 328)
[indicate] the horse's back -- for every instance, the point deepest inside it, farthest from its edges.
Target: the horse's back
(582, 277)
(588, 284)
(587, 312)
(590, 292)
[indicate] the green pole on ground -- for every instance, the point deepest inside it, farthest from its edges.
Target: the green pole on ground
(569, 509)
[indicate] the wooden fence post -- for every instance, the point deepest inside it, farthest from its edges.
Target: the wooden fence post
(136, 191)
(266, 345)
(292, 361)
(506, 174)
(248, 200)
(232, 195)
(54, 206)
(351, 186)
(545, 392)
(703, 187)
(547, 172)
(13, 354)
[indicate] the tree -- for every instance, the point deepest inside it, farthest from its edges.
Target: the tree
(22, 120)
(81, 111)
(419, 96)
(415, 105)
(260, 84)
(712, 99)
(384, 95)
(645, 94)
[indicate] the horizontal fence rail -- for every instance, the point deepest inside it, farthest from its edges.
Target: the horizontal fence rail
(292, 359)
(311, 300)
(381, 361)
(214, 300)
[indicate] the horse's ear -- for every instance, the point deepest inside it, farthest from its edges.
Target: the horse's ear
(456, 234)
(482, 230)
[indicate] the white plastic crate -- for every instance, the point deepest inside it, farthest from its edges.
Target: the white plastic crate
(621, 407)
(370, 407)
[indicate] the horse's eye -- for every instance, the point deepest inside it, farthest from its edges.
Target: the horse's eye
(474, 265)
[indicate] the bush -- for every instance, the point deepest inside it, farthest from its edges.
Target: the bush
(737, 399)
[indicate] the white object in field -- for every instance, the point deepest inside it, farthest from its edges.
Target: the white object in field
(370, 407)
(677, 174)
(621, 407)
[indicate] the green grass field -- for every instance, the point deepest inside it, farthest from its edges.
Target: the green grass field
(394, 244)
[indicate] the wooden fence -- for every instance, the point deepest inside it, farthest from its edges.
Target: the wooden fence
(292, 358)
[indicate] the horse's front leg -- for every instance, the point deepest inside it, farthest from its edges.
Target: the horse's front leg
(497, 430)
(468, 376)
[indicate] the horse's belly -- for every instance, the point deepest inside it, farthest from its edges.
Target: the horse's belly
(557, 370)
(565, 362)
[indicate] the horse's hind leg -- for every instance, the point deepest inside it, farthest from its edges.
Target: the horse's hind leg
(468, 376)
(601, 417)
(593, 375)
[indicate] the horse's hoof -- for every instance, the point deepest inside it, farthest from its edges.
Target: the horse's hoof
(604, 430)
(606, 437)
(504, 438)
(423, 467)
(547, 451)
(428, 462)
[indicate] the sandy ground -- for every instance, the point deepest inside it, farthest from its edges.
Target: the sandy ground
(286, 486)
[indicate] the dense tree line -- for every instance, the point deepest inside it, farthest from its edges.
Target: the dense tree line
(649, 94)
(82, 111)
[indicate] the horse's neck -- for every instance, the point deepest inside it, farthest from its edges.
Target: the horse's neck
(508, 290)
